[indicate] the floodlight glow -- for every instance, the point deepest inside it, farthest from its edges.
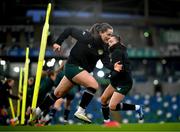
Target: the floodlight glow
(16, 69)
(99, 64)
(100, 74)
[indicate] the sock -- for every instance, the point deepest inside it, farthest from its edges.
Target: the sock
(105, 111)
(66, 114)
(45, 112)
(49, 117)
(52, 112)
(87, 97)
(48, 101)
(26, 118)
(124, 106)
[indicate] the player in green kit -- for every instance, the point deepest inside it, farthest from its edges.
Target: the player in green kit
(120, 82)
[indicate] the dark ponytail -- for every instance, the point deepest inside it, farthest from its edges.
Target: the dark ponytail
(99, 27)
(94, 30)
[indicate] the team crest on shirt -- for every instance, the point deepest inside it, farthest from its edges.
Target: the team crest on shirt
(118, 89)
(100, 51)
(80, 68)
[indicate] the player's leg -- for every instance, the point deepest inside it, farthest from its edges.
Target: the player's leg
(49, 116)
(115, 104)
(85, 79)
(67, 106)
(108, 92)
(64, 86)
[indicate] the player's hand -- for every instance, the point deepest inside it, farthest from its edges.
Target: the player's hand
(118, 66)
(56, 47)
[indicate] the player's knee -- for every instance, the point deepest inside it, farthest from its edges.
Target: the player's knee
(57, 93)
(112, 106)
(103, 100)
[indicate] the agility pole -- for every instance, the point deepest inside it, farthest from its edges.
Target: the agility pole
(25, 83)
(41, 57)
(19, 91)
(12, 108)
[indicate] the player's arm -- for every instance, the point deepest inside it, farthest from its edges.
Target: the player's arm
(117, 57)
(78, 34)
(73, 32)
(106, 61)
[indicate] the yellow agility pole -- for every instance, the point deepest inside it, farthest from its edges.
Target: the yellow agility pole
(41, 57)
(19, 92)
(26, 71)
(12, 108)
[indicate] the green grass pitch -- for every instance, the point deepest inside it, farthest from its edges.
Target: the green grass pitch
(147, 127)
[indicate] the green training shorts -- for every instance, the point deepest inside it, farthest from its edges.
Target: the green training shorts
(72, 70)
(123, 89)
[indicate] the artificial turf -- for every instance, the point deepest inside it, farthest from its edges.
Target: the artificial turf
(146, 127)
